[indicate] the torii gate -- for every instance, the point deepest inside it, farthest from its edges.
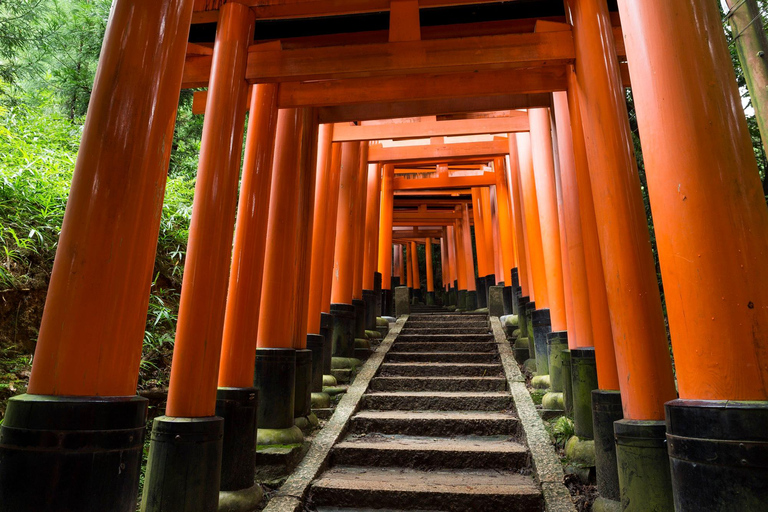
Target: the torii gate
(710, 221)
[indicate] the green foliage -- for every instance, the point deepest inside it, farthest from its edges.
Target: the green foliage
(562, 430)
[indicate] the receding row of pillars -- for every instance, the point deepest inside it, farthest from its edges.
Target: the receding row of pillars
(593, 278)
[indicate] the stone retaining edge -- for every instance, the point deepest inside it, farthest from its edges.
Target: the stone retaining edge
(546, 463)
(291, 495)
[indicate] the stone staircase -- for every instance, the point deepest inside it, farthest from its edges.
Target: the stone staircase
(436, 429)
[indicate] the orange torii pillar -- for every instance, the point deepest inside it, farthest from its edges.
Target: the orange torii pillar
(316, 342)
(430, 274)
(329, 247)
(385, 261)
(343, 285)
(408, 269)
(642, 353)
(83, 383)
(279, 327)
(197, 348)
(484, 270)
(236, 399)
(461, 271)
(712, 232)
(371, 275)
(397, 256)
(506, 231)
(485, 206)
(499, 259)
(513, 179)
(450, 246)
(546, 195)
(358, 241)
(444, 267)
(591, 326)
(469, 260)
(538, 307)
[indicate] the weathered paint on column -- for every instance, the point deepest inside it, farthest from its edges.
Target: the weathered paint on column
(95, 312)
(466, 238)
(241, 321)
(546, 195)
(642, 355)
(580, 333)
(499, 260)
(415, 261)
(409, 269)
(344, 255)
(485, 207)
(320, 226)
(706, 196)
(401, 262)
(538, 288)
(602, 335)
(483, 269)
(385, 263)
(506, 230)
(513, 178)
(197, 350)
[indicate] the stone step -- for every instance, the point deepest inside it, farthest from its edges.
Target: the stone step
(396, 356)
(446, 346)
(438, 384)
(437, 338)
(438, 401)
(468, 452)
(407, 329)
(441, 369)
(468, 322)
(436, 423)
(448, 490)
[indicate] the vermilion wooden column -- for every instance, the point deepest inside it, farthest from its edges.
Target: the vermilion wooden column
(372, 212)
(359, 223)
(343, 266)
(444, 262)
(580, 331)
(480, 245)
(461, 270)
(506, 231)
(320, 226)
(466, 240)
(485, 206)
(538, 288)
(330, 230)
(642, 355)
(409, 268)
(499, 260)
(513, 178)
(602, 336)
(415, 262)
(546, 194)
(90, 340)
(195, 368)
(712, 235)
(401, 262)
(385, 230)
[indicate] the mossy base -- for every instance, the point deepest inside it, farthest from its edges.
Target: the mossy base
(266, 437)
(345, 363)
(335, 390)
(540, 382)
(307, 422)
(321, 400)
(581, 451)
(244, 500)
(516, 333)
(381, 322)
(530, 365)
(605, 505)
(510, 321)
(362, 343)
(553, 401)
(329, 380)
(373, 335)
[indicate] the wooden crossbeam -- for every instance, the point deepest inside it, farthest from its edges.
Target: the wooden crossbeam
(446, 152)
(396, 58)
(484, 180)
(516, 123)
(446, 202)
(417, 216)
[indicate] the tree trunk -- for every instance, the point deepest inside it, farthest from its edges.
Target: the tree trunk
(752, 47)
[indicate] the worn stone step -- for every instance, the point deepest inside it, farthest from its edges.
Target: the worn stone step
(438, 401)
(438, 322)
(482, 329)
(444, 346)
(436, 357)
(449, 490)
(358, 509)
(460, 383)
(461, 452)
(435, 423)
(437, 338)
(441, 369)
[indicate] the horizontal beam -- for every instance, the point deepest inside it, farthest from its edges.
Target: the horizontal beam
(415, 216)
(398, 131)
(448, 202)
(453, 55)
(497, 147)
(432, 107)
(354, 91)
(484, 180)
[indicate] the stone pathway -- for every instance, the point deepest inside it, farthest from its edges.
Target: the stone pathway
(436, 429)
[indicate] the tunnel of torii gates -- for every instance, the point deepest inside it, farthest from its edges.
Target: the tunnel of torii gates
(397, 123)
